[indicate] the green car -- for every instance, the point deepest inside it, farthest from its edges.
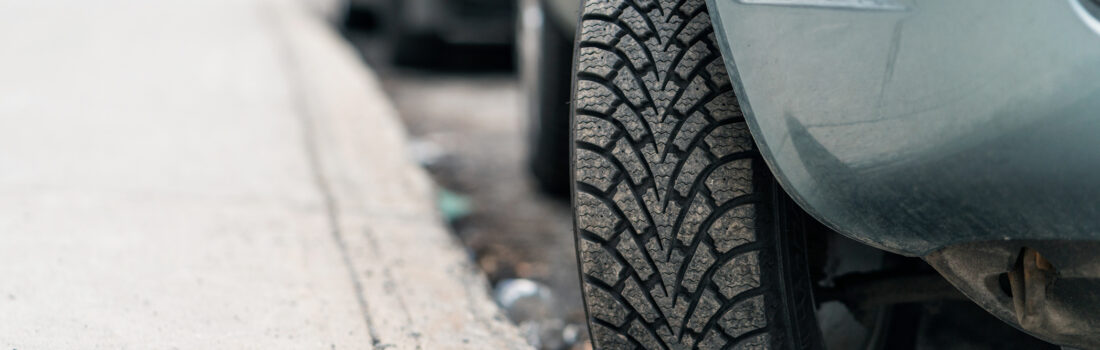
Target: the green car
(752, 174)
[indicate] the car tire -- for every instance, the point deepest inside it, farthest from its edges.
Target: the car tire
(684, 239)
(545, 56)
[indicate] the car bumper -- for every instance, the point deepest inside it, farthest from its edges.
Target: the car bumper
(918, 126)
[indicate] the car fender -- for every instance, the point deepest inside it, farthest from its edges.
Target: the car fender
(914, 126)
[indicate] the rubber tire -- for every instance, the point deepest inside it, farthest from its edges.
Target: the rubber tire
(684, 239)
(548, 90)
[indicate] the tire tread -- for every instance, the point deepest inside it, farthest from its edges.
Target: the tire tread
(668, 193)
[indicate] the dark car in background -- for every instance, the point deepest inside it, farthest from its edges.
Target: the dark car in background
(414, 28)
(545, 59)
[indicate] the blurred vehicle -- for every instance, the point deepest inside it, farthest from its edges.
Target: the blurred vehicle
(333, 11)
(414, 28)
(545, 56)
(713, 138)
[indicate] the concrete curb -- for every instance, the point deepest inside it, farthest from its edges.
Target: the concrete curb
(212, 174)
(418, 286)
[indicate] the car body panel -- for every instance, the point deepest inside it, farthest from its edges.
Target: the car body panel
(913, 126)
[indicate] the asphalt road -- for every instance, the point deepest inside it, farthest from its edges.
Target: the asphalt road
(464, 118)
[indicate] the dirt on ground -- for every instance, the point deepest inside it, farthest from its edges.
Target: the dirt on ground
(466, 126)
(468, 131)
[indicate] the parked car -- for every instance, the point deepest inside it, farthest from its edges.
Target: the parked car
(718, 145)
(545, 59)
(415, 28)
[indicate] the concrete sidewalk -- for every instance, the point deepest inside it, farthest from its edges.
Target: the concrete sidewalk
(214, 174)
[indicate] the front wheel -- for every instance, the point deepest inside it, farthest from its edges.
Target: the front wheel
(680, 234)
(684, 239)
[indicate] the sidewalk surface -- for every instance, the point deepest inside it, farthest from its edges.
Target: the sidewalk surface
(200, 174)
